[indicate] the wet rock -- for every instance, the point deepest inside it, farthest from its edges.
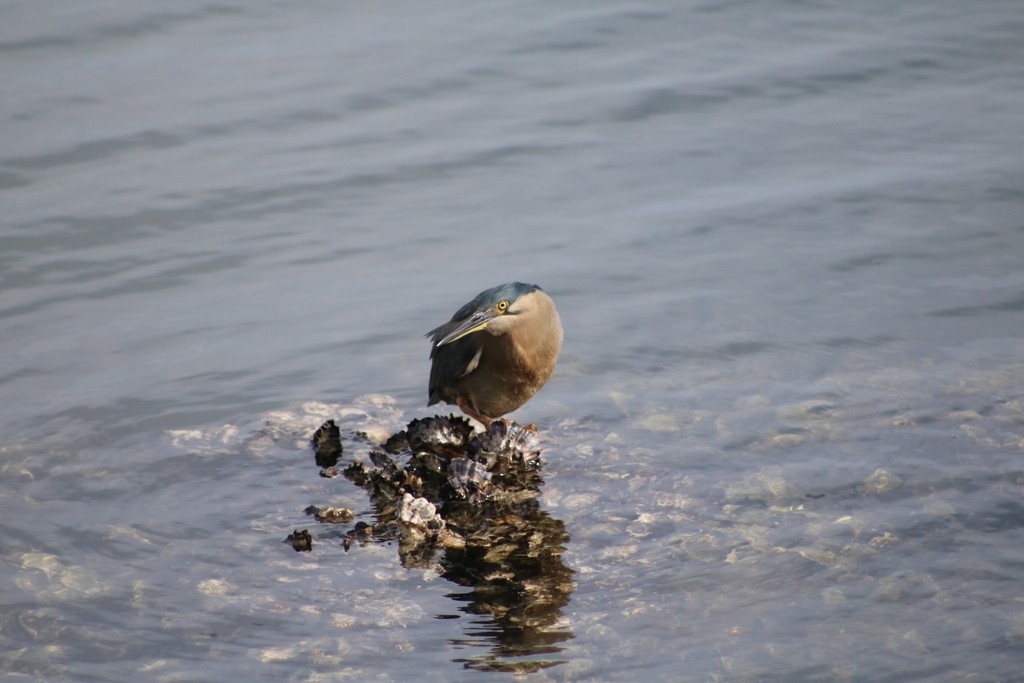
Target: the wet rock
(505, 439)
(326, 443)
(443, 436)
(422, 530)
(386, 467)
(331, 515)
(363, 533)
(467, 506)
(330, 472)
(469, 479)
(419, 512)
(396, 443)
(302, 541)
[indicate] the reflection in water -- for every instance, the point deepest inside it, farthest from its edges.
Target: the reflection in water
(467, 505)
(514, 567)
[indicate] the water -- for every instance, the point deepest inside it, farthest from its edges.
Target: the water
(785, 436)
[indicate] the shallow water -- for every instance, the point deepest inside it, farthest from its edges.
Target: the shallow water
(785, 437)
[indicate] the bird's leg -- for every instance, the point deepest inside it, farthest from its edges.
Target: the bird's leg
(465, 407)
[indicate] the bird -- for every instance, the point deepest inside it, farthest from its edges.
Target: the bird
(496, 352)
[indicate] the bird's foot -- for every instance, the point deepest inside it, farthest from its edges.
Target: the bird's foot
(468, 410)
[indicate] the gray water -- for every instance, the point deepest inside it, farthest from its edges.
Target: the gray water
(786, 436)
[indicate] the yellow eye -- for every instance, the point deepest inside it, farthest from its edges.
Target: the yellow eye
(502, 306)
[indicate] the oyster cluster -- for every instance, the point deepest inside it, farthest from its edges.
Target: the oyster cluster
(466, 505)
(436, 468)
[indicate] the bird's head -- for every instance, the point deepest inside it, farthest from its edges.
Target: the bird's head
(496, 310)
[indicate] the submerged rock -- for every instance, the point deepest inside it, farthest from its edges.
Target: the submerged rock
(882, 481)
(331, 515)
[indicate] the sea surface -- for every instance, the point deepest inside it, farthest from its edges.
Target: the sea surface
(785, 438)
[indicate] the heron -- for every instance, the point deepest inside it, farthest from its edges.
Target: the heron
(496, 352)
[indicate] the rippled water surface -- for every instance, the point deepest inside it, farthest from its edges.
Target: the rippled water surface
(785, 440)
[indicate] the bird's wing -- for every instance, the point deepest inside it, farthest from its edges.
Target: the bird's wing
(451, 362)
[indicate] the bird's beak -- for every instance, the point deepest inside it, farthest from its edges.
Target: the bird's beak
(473, 323)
